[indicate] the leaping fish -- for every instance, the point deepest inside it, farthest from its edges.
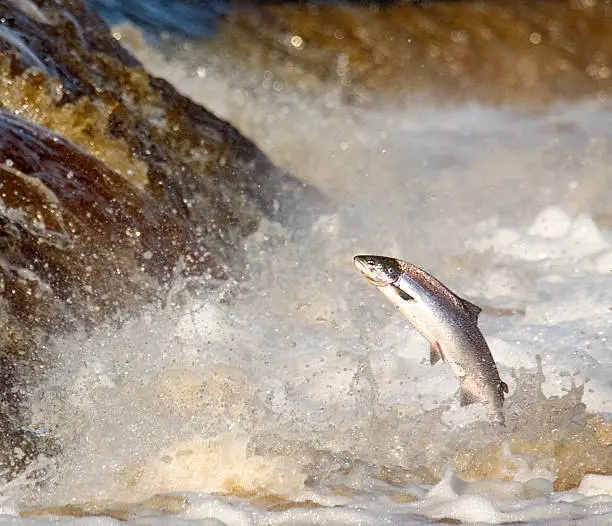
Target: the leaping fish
(448, 322)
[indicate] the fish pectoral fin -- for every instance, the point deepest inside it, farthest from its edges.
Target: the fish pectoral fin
(435, 353)
(504, 387)
(473, 310)
(466, 397)
(403, 294)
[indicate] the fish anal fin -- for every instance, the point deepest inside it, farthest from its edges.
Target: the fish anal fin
(472, 310)
(504, 387)
(466, 397)
(435, 353)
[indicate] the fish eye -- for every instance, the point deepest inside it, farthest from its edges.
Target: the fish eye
(392, 273)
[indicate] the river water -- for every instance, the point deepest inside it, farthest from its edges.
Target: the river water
(298, 395)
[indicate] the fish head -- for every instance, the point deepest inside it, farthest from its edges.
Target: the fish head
(379, 270)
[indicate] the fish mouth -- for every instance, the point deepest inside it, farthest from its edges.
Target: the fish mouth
(371, 268)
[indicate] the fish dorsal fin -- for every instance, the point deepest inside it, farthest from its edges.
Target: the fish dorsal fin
(434, 353)
(472, 310)
(466, 397)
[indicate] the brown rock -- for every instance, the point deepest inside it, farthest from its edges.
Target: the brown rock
(110, 183)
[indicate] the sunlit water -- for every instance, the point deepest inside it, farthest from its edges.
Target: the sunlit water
(298, 395)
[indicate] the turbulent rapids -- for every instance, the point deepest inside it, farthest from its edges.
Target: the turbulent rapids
(184, 336)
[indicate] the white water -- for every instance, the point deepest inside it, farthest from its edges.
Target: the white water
(301, 385)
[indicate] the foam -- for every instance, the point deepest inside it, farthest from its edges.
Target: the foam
(299, 408)
(552, 236)
(592, 485)
(219, 464)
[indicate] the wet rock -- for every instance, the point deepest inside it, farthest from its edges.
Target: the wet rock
(110, 183)
(79, 231)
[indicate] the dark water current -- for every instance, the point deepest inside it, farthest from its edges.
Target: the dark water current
(191, 18)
